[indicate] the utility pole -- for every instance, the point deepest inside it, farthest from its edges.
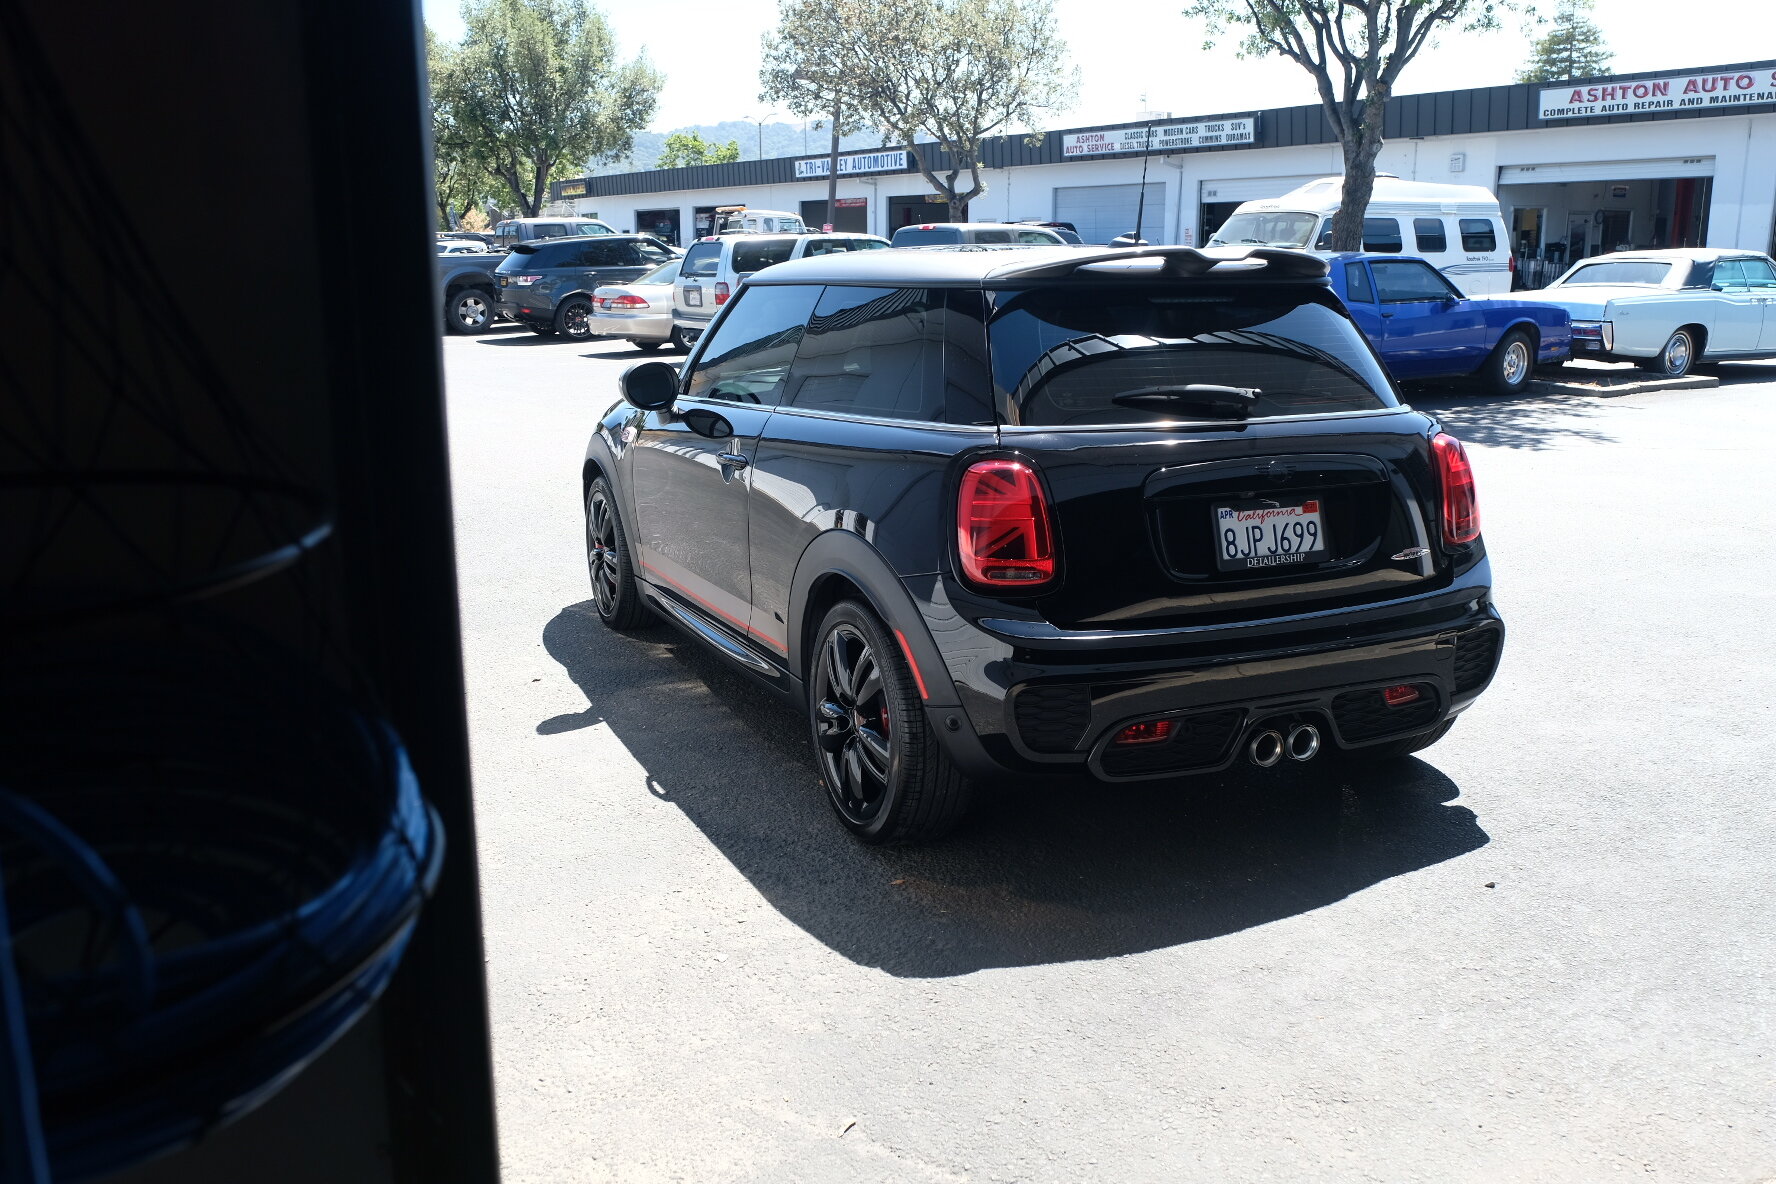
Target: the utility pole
(832, 175)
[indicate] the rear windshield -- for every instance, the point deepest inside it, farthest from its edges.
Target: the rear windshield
(752, 255)
(1124, 353)
(534, 256)
(1285, 229)
(908, 236)
(701, 261)
(1619, 273)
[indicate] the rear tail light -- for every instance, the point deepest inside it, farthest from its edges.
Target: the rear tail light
(1152, 732)
(524, 281)
(1461, 506)
(721, 292)
(1004, 533)
(625, 302)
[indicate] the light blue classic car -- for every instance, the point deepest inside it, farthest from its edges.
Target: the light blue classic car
(1424, 327)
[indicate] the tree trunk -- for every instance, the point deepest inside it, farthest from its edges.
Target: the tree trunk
(1360, 151)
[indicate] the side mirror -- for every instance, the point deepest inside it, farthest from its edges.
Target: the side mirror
(651, 386)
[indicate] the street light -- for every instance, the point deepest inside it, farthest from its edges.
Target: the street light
(760, 121)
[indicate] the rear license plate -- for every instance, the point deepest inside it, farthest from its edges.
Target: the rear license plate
(1266, 533)
(694, 296)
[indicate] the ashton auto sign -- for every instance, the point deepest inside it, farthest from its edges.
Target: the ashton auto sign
(1237, 129)
(1658, 94)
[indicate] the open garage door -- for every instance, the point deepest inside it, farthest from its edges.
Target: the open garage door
(1559, 213)
(1101, 212)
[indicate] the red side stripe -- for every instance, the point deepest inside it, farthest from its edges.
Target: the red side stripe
(918, 679)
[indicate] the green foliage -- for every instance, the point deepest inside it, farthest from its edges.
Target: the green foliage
(459, 183)
(950, 71)
(1572, 48)
(688, 148)
(536, 84)
(1354, 50)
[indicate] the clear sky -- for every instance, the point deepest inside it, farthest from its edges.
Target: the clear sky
(1127, 49)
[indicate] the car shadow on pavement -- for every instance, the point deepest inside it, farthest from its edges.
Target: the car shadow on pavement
(1530, 421)
(1039, 873)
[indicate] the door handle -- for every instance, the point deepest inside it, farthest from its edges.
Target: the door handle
(732, 459)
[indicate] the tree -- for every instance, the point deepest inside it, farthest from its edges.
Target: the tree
(1572, 48)
(922, 72)
(1355, 51)
(535, 84)
(459, 182)
(687, 148)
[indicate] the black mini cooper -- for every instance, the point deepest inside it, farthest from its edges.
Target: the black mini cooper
(983, 511)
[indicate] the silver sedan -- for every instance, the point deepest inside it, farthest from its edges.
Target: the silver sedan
(640, 310)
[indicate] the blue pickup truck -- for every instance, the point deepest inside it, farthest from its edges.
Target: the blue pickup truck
(1423, 327)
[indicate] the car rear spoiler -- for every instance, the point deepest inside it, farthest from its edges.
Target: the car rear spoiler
(1175, 262)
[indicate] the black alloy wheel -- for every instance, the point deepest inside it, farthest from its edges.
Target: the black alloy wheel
(885, 773)
(469, 311)
(677, 341)
(573, 319)
(607, 561)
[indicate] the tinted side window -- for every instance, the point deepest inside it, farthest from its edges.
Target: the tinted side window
(868, 244)
(1477, 235)
(991, 236)
(1382, 234)
(701, 261)
(647, 252)
(872, 351)
(751, 256)
(1035, 236)
(550, 230)
(910, 236)
(590, 228)
(1430, 235)
(747, 357)
(1356, 284)
(1727, 274)
(1407, 280)
(605, 255)
(535, 256)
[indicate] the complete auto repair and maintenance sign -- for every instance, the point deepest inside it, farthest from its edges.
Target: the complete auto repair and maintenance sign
(1658, 94)
(1237, 129)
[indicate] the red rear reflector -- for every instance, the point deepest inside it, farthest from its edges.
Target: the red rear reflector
(721, 292)
(1151, 732)
(1401, 695)
(1004, 535)
(1461, 506)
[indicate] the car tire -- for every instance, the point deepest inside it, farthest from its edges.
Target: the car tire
(1675, 358)
(1511, 365)
(1405, 746)
(886, 774)
(647, 347)
(614, 593)
(573, 320)
(470, 311)
(677, 341)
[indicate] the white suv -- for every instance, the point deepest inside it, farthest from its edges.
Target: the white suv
(714, 266)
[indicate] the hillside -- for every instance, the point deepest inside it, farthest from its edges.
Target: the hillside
(780, 139)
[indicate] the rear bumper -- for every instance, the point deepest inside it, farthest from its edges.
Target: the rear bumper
(1052, 704)
(648, 327)
(540, 312)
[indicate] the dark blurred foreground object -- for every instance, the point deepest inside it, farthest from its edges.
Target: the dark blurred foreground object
(227, 604)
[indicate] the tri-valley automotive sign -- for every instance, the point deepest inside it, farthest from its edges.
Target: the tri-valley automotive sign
(1207, 133)
(1658, 94)
(859, 162)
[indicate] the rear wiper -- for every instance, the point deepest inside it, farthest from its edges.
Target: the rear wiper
(1237, 401)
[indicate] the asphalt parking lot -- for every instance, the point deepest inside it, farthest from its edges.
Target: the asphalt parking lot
(1542, 952)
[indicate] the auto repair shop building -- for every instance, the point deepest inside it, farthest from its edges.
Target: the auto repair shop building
(1671, 158)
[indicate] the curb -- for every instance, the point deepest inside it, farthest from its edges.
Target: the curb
(1611, 386)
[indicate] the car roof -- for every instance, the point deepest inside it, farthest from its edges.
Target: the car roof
(1675, 255)
(972, 225)
(966, 265)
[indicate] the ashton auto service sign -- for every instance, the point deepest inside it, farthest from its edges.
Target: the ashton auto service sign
(1658, 94)
(1237, 129)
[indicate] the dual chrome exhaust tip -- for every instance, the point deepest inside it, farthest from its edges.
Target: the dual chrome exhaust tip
(1269, 747)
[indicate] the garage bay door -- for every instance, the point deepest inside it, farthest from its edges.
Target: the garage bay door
(1608, 170)
(1101, 212)
(1251, 188)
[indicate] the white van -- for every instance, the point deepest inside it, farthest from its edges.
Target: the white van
(742, 220)
(714, 267)
(1459, 229)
